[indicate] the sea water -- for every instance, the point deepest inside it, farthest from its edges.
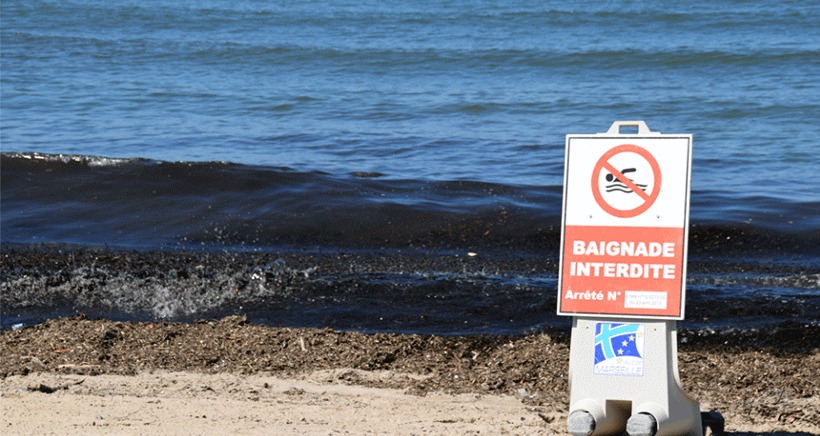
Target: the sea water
(250, 125)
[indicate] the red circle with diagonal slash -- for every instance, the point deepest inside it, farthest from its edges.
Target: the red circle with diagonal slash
(603, 163)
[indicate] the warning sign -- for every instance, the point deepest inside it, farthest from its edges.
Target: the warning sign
(608, 179)
(622, 270)
(624, 235)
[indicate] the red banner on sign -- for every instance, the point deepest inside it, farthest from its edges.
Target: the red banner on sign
(622, 271)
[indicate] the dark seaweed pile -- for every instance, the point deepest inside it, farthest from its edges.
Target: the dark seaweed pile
(747, 382)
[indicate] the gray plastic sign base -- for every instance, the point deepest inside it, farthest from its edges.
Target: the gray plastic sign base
(624, 378)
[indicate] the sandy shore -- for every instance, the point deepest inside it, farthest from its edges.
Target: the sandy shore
(190, 403)
(80, 376)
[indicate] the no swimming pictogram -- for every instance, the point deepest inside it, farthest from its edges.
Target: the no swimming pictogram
(617, 193)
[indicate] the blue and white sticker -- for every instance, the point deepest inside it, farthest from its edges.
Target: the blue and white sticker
(619, 349)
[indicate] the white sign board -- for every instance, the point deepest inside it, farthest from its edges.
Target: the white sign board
(625, 225)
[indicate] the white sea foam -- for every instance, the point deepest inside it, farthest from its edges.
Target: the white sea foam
(91, 161)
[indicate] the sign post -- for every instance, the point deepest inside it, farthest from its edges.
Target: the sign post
(622, 277)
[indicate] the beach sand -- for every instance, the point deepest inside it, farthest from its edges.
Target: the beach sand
(195, 403)
(81, 376)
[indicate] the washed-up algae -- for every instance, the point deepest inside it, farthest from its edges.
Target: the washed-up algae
(746, 382)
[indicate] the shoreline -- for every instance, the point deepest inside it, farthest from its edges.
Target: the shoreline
(752, 357)
(405, 291)
(770, 391)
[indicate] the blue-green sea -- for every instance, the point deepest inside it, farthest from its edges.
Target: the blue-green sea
(382, 126)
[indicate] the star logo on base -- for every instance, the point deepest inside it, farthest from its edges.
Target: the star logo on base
(619, 349)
